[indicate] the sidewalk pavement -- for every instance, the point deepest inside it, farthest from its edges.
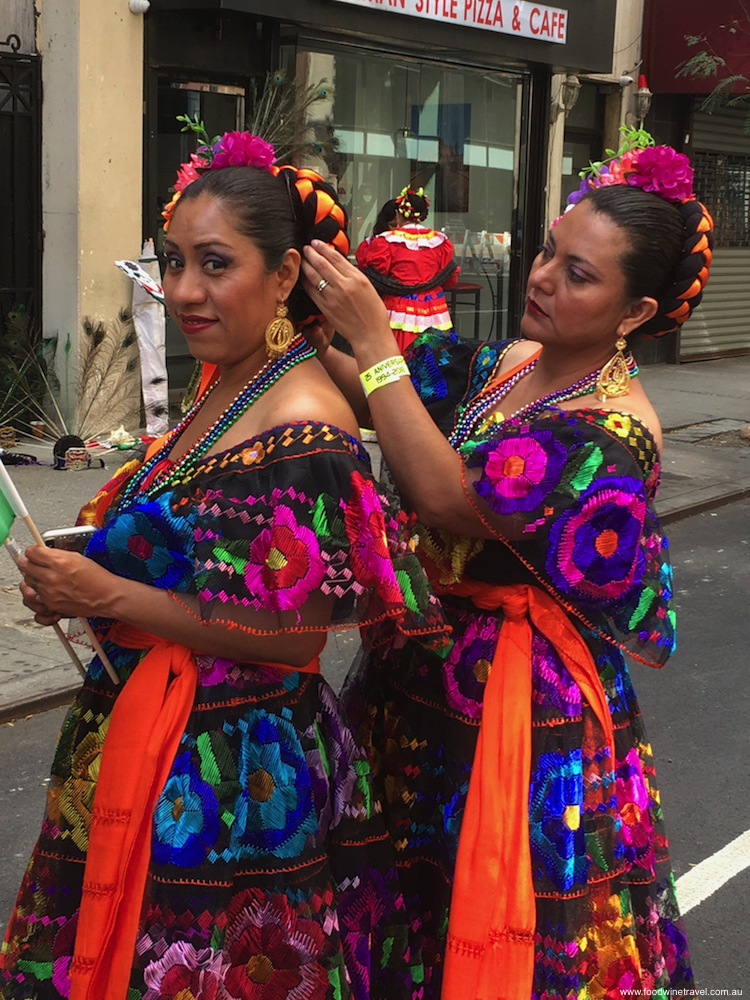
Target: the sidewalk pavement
(706, 463)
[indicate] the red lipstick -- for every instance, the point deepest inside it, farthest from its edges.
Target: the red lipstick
(533, 308)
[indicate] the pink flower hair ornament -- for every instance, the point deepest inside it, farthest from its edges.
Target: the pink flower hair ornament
(638, 162)
(233, 149)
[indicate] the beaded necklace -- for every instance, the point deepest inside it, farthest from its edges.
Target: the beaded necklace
(489, 400)
(146, 481)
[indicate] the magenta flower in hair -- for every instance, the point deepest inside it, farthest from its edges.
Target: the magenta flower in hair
(241, 149)
(664, 171)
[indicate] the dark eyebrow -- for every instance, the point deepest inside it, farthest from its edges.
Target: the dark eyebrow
(200, 246)
(574, 258)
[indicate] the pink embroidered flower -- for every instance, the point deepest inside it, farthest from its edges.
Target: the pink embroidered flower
(521, 471)
(183, 972)
(365, 528)
(241, 149)
(664, 171)
(285, 563)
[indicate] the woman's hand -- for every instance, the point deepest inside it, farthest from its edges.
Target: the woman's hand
(349, 301)
(64, 585)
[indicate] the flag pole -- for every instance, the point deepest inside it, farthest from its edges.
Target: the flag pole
(15, 553)
(14, 499)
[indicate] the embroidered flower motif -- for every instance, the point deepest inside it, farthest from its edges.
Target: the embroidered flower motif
(272, 952)
(273, 813)
(519, 472)
(285, 563)
(619, 423)
(186, 818)
(149, 544)
(554, 692)
(362, 909)
(241, 149)
(623, 978)
(633, 806)
(182, 973)
(62, 955)
(255, 453)
(365, 529)
(594, 548)
(467, 668)
(558, 844)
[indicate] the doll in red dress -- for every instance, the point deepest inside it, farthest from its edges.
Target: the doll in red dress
(410, 265)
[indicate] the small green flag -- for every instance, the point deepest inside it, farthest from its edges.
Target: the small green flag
(11, 504)
(7, 517)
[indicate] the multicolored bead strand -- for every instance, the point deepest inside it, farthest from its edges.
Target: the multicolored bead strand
(489, 400)
(268, 375)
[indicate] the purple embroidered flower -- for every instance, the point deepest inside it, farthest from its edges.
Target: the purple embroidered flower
(241, 149)
(594, 547)
(362, 907)
(467, 668)
(554, 692)
(285, 563)
(664, 171)
(521, 471)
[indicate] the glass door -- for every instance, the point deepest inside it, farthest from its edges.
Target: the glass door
(396, 121)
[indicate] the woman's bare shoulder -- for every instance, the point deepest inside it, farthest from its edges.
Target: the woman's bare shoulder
(518, 352)
(308, 393)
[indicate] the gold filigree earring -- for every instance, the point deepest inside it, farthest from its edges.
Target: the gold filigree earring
(279, 333)
(614, 378)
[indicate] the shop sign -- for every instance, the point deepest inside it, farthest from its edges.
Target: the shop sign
(529, 20)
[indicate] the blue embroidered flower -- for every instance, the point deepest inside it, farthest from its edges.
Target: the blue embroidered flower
(186, 817)
(558, 844)
(273, 814)
(146, 543)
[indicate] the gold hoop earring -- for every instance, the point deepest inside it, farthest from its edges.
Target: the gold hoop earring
(279, 333)
(614, 378)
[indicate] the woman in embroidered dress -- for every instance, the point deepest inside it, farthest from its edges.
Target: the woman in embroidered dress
(208, 816)
(512, 763)
(410, 264)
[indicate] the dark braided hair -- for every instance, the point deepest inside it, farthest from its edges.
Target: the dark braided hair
(413, 205)
(669, 252)
(278, 210)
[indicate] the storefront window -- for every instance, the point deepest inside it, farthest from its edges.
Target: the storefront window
(454, 132)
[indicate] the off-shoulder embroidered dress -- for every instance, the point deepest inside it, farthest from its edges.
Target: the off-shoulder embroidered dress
(270, 875)
(583, 483)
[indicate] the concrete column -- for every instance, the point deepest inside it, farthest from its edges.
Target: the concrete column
(92, 124)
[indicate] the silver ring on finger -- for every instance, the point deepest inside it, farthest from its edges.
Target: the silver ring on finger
(322, 284)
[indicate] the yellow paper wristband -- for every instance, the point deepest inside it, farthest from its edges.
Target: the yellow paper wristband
(390, 370)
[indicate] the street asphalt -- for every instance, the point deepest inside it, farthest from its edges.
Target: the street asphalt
(706, 463)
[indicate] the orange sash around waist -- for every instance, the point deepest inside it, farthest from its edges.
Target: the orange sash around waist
(145, 729)
(490, 948)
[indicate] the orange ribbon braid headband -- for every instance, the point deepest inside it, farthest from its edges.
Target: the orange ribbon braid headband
(490, 948)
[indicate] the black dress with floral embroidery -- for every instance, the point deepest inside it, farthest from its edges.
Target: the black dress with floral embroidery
(582, 483)
(271, 875)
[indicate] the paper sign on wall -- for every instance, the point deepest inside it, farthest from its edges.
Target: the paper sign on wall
(511, 17)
